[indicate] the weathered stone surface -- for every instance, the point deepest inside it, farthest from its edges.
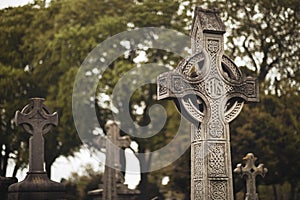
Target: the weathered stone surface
(37, 120)
(210, 91)
(250, 171)
(36, 186)
(5, 182)
(114, 187)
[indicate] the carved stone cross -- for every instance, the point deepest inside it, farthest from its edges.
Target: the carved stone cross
(210, 91)
(36, 120)
(112, 174)
(251, 171)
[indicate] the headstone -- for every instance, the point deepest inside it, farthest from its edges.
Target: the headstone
(114, 187)
(5, 182)
(37, 120)
(250, 171)
(210, 91)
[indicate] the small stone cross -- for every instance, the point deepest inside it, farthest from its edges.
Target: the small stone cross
(112, 175)
(36, 119)
(251, 171)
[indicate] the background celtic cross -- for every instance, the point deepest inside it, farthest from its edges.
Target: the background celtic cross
(112, 175)
(221, 90)
(36, 120)
(251, 171)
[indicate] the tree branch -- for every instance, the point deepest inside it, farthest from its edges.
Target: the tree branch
(250, 54)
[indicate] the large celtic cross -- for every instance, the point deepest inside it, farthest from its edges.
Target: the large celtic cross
(210, 91)
(37, 120)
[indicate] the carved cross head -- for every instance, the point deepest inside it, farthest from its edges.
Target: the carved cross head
(250, 167)
(113, 134)
(36, 118)
(208, 83)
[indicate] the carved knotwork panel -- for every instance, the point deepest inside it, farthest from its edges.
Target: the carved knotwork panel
(199, 40)
(248, 89)
(194, 112)
(218, 190)
(209, 21)
(199, 188)
(198, 160)
(196, 133)
(217, 160)
(213, 46)
(163, 89)
(215, 126)
(216, 129)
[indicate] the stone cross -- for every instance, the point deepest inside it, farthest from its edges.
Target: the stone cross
(36, 120)
(112, 174)
(251, 171)
(210, 91)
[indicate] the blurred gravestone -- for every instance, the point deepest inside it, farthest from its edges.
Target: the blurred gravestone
(114, 187)
(250, 171)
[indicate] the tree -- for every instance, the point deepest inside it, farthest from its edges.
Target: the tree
(78, 185)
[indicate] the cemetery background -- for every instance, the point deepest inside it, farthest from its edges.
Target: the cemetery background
(43, 46)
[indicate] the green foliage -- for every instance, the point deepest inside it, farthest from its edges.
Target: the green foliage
(265, 35)
(270, 130)
(77, 185)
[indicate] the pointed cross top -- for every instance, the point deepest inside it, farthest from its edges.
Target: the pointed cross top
(113, 134)
(37, 120)
(251, 171)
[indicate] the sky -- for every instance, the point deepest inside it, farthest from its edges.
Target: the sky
(63, 167)
(13, 3)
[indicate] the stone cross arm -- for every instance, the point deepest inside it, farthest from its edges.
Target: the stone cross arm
(124, 141)
(175, 85)
(113, 134)
(250, 168)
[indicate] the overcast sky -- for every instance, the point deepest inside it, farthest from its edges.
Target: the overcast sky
(9, 3)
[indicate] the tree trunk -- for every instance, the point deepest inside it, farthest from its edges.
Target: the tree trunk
(293, 191)
(144, 185)
(48, 164)
(48, 168)
(274, 192)
(16, 168)
(4, 160)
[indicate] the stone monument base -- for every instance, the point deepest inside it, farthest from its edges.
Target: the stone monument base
(5, 182)
(36, 186)
(122, 191)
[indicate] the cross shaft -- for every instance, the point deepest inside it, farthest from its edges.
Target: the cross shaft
(112, 174)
